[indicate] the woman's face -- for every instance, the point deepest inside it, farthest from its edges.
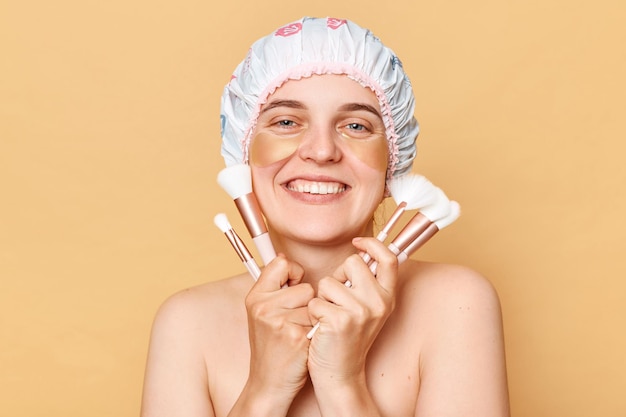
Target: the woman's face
(319, 158)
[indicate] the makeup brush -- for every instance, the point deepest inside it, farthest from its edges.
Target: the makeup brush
(222, 222)
(435, 211)
(236, 180)
(455, 212)
(410, 192)
(429, 214)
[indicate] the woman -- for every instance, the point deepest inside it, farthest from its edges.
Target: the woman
(323, 114)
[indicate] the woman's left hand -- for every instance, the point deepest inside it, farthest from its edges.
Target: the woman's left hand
(351, 318)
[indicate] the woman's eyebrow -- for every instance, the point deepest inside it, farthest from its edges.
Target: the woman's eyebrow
(294, 104)
(360, 106)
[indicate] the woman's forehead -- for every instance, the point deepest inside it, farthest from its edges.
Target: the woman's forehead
(326, 88)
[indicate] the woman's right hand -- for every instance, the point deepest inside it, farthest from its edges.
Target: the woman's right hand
(278, 321)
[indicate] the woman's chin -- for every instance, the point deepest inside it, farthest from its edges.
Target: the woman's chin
(320, 233)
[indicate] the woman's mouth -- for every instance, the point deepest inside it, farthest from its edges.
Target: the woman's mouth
(315, 187)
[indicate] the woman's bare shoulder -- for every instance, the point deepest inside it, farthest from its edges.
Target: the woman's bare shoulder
(223, 289)
(446, 284)
(183, 333)
(454, 307)
(196, 307)
(445, 300)
(456, 313)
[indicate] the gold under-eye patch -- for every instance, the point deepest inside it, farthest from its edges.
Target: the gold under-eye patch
(373, 152)
(266, 149)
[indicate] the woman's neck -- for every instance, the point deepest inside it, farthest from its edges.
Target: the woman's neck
(318, 260)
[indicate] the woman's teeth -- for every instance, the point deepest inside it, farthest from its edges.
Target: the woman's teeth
(316, 187)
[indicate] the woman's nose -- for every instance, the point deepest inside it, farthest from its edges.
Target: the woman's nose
(320, 146)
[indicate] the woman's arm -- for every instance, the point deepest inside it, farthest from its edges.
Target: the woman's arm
(175, 382)
(463, 371)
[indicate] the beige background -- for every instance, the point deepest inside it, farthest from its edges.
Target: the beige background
(109, 138)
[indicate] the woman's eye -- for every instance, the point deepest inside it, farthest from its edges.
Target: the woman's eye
(286, 123)
(357, 128)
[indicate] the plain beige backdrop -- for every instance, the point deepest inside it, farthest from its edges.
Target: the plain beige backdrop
(109, 149)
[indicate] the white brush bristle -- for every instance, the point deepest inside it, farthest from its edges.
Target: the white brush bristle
(455, 212)
(439, 209)
(415, 190)
(236, 180)
(221, 221)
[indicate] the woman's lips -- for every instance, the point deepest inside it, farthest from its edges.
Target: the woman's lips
(315, 187)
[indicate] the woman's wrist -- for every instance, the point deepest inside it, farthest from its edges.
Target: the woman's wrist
(260, 402)
(341, 397)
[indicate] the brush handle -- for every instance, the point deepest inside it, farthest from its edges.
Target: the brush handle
(382, 235)
(253, 268)
(311, 332)
(265, 247)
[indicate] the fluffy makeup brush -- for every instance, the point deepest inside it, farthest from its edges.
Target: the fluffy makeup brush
(429, 214)
(410, 192)
(422, 227)
(236, 180)
(221, 221)
(431, 230)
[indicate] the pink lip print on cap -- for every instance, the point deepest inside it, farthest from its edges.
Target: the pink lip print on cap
(335, 23)
(289, 30)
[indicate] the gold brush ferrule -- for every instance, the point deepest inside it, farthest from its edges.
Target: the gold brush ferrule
(250, 211)
(414, 228)
(241, 247)
(231, 236)
(419, 241)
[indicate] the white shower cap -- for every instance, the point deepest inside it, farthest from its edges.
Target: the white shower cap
(316, 46)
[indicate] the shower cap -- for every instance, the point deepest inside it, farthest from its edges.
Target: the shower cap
(317, 46)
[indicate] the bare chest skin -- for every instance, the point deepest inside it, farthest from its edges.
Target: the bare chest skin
(392, 371)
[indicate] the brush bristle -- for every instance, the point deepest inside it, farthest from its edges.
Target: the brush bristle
(439, 209)
(236, 180)
(221, 221)
(455, 212)
(415, 190)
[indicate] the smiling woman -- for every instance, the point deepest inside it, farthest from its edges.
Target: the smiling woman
(322, 112)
